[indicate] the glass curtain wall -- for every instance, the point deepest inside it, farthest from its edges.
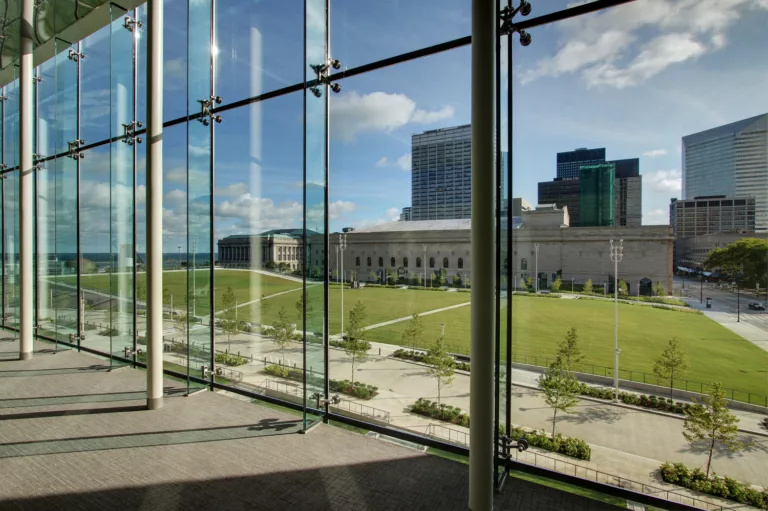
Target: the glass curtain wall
(317, 222)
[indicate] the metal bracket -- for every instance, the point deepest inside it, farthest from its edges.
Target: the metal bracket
(131, 24)
(206, 109)
(75, 55)
(73, 338)
(3, 98)
(37, 79)
(323, 72)
(507, 15)
(130, 353)
(129, 132)
(74, 149)
(507, 444)
(36, 161)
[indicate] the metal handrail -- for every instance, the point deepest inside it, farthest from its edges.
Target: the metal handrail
(365, 410)
(453, 434)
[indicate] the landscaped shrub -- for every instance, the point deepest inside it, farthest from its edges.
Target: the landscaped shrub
(357, 389)
(441, 412)
(336, 344)
(111, 332)
(570, 446)
(418, 356)
(230, 360)
(539, 295)
(727, 488)
(667, 405)
(276, 370)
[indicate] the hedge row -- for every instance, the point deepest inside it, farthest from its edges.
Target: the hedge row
(657, 403)
(357, 389)
(230, 360)
(418, 356)
(570, 446)
(537, 295)
(724, 487)
(441, 412)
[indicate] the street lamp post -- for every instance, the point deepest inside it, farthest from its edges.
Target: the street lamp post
(337, 263)
(701, 289)
(179, 255)
(424, 263)
(536, 280)
(617, 254)
(342, 248)
(738, 302)
(571, 284)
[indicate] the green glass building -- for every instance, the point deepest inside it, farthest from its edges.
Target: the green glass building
(596, 194)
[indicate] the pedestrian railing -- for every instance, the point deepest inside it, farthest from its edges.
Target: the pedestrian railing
(453, 436)
(536, 459)
(364, 410)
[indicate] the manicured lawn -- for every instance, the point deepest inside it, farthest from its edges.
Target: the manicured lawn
(539, 324)
(382, 304)
(246, 285)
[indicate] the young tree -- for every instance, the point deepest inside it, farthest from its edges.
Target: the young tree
(456, 280)
(181, 325)
(413, 331)
(623, 288)
(372, 277)
(672, 364)
(556, 285)
(419, 280)
(440, 365)
(271, 265)
(442, 276)
(264, 304)
(587, 287)
(410, 278)
(228, 322)
(300, 306)
(659, 289)
(560, 389)
(569, 351)
(334, 274)
(354, 346)
(709, 419)
(391, 277)
(166, 296)
(466, 282)
(282, 330)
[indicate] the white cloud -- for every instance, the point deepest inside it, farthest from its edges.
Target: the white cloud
(393, 214)
(601, 46)
(256, 214)
(353, 114)
(404, 162)
(656, 217)
(653, 153)
(382, 162)
(339, 207)
(233, 190)
(664, 180)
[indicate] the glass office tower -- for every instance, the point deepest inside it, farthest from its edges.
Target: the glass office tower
(293, 135)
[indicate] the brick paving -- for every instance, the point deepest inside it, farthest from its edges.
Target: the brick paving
(74, 436)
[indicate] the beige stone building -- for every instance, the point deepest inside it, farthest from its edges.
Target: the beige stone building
(543, 241)
(258, 250)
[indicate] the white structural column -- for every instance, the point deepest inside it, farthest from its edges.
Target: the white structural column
(155, 205)
(26, 180)
(484, 21)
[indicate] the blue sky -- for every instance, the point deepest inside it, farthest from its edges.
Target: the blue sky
(633, 79)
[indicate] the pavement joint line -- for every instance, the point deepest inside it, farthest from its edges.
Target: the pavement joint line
(407, 318)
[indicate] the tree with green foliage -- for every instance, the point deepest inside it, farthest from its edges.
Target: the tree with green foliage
(569, 352)
(441, 276)
(709, 419)
(659, 290)
(271, 265)
(391, 277)
(181, 325)
(623, 288)
(466, 282)
(440, 365)
(672, 364)
(587, 287)
(166, 295)
(410, 277)
(372, 277)
(228, 321)
(354, 346)
(264, 305)
(413, 331)
(746, 256)
(419, 280)
(456, 280)
(556, 285)
(282, 330)
(560, 389)
(529, 283)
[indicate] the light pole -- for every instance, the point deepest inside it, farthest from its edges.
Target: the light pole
(617, 254)
(738, 302)
(337, 262)
(571, 285)
(179, 255)
(342, 248)
(424, 263)
(536, 280)
(701, 289)
(194, 280)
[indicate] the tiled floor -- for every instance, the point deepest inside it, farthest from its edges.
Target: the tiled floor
(74, 436)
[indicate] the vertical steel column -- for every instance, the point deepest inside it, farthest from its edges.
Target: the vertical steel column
(484, 28)
(26, 179)
(155, 204)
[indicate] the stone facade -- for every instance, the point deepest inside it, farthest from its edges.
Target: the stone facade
(258, 250)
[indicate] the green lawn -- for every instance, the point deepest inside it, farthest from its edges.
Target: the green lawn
(247, 286)
(539, 324)
(382, 304)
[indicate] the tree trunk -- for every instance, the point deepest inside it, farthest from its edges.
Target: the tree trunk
(709, 459)
(554, 422)
(671, 385)
(438, 392)
(353, 369)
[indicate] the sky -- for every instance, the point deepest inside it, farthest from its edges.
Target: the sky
(634, 79)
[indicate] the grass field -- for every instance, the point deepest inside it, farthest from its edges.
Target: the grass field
(539, 324)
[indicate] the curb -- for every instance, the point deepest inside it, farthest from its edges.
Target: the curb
(640, 408)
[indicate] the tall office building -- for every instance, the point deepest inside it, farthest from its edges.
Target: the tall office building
(596, 195)
(730, 160)
(569, 163)
(441, 174)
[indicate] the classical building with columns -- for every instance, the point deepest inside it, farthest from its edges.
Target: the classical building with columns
(258, 250)
(542, 240)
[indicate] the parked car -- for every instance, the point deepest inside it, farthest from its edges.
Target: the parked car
(755, 306)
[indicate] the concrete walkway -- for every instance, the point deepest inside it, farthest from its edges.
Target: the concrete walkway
(408, 318)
